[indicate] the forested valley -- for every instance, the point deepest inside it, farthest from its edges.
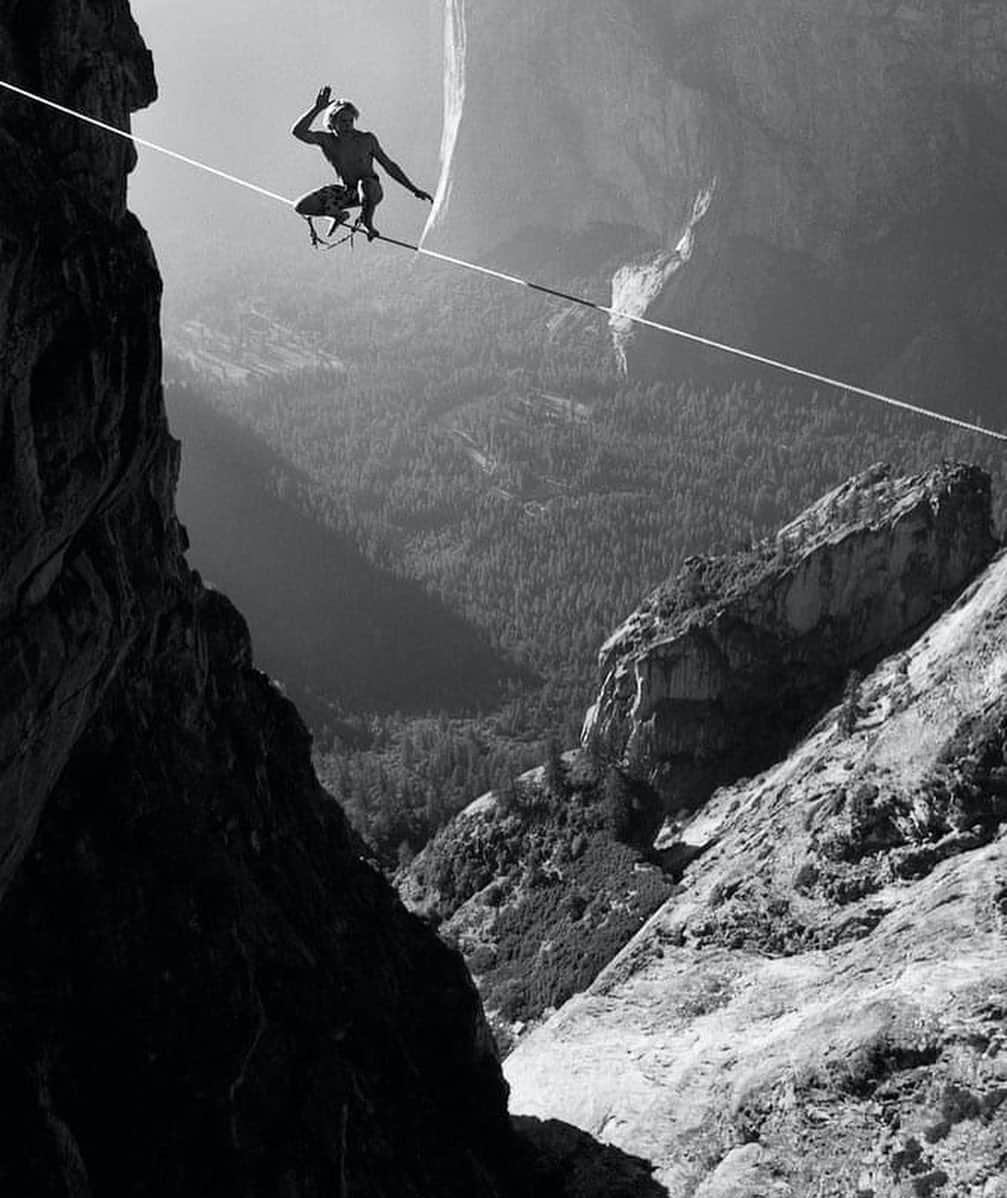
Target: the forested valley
(509, 497)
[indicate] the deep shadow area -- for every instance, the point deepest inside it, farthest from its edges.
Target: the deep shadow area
(568, 1163)
(325, 622)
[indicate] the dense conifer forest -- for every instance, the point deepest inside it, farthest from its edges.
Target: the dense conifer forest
(480, 446)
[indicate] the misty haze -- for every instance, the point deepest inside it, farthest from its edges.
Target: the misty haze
(509, 692)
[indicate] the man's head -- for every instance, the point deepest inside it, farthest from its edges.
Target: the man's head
(341, 116)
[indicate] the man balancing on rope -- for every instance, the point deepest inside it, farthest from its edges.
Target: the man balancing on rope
(351, 153)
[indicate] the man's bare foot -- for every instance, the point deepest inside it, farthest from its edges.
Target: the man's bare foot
(371, 232)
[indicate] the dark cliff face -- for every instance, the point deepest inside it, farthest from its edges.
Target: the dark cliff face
(203, 988)
(86, 464)
(847, 161)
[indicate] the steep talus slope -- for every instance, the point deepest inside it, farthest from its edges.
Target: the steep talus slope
(204, 989)
(821, 1008)
(845, 163)
(720, 666)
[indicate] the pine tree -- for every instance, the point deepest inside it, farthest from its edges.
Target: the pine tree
(618, 803)
(555, 780)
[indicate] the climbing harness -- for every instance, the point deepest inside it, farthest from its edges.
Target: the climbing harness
(671, 330)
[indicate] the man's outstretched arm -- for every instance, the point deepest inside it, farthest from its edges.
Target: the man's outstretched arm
(302, 130)
(398, 174)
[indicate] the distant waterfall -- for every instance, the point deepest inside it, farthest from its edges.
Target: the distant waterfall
(637, 285)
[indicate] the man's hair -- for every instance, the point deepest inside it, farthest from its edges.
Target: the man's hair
(340, 106)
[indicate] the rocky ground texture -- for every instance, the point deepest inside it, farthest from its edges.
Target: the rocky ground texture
(821, 1007)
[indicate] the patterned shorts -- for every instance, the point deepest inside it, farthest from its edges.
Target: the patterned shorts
(335, 198)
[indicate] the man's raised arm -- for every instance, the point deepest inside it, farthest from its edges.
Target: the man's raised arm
(302, 130)
(398, 174)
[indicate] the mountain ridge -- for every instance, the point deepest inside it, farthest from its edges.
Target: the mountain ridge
(732, 653)
(206, 988)
(541, 883)
(822, 1000)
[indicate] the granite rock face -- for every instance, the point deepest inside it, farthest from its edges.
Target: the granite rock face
(821, 1006)
(86, 465)
(204, 988)
(848, 160)
(719, 668)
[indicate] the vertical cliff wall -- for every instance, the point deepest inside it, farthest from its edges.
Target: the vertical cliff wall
(86, 464)
(203, 988)
(717, 670)
(855, 152)
(562, 114)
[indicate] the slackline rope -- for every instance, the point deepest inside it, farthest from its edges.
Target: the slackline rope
(90, 120)
(709, 343)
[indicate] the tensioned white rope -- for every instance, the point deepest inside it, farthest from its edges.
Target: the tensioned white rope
(140, 141)
(684, 334)
(709, 343)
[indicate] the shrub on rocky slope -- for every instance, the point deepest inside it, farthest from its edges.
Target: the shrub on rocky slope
(820, 1006)
(536, 890)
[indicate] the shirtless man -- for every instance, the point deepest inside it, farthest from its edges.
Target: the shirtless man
(351, 154)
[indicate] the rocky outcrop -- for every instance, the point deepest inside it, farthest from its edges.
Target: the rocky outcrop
(719, 668)
(204, 988)
(86, 464)
(854, 153)
(821, 1006)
